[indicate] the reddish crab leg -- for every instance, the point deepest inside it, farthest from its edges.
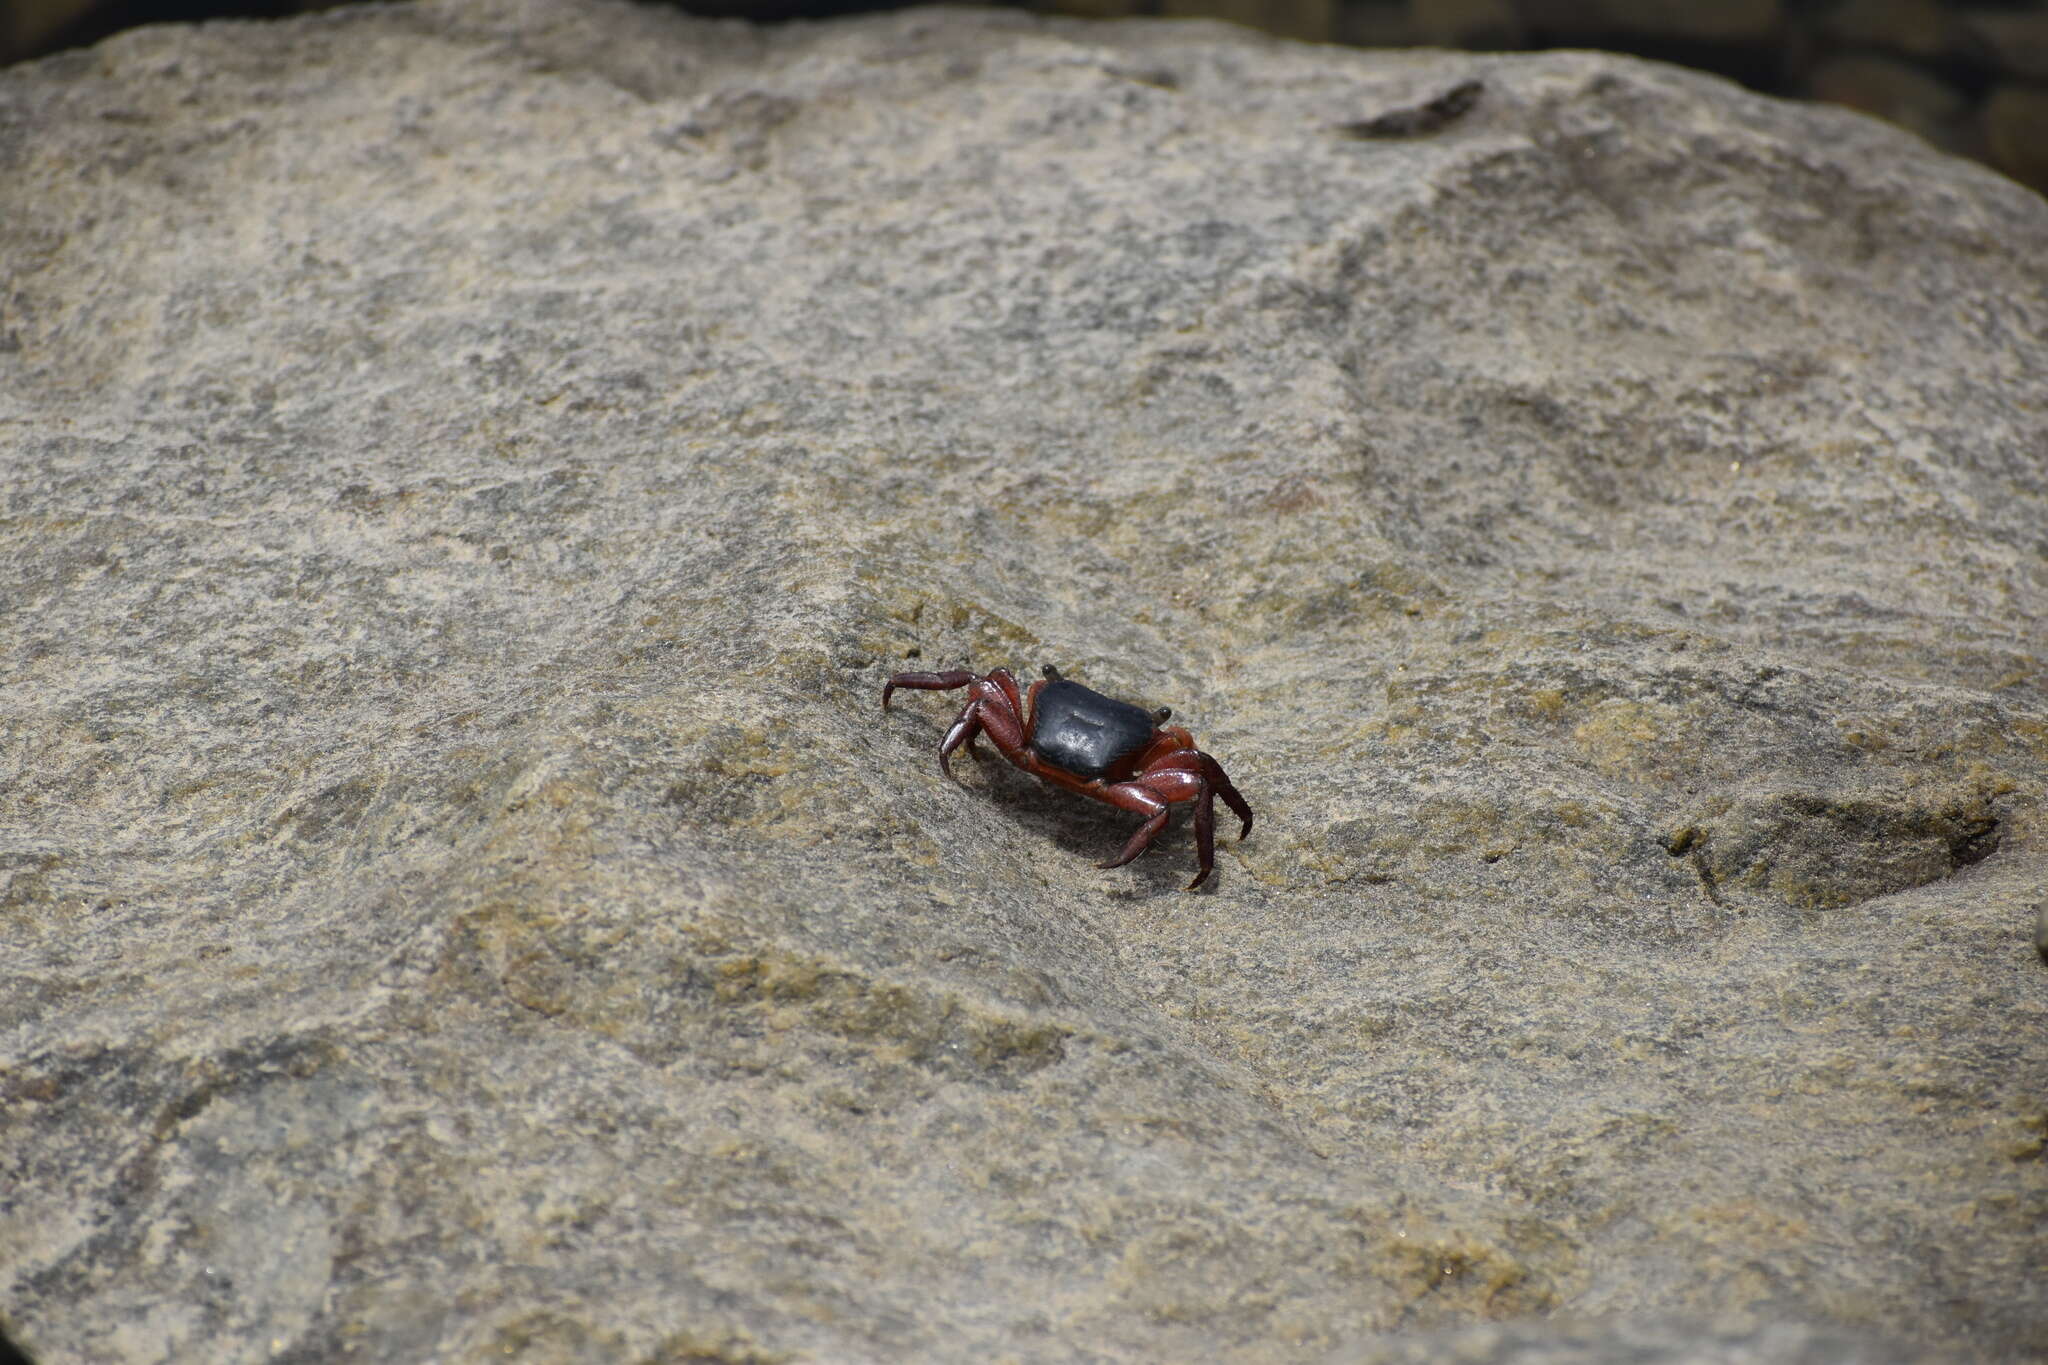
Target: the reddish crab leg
(1184, 776)
(1132, 797)
(989, 708)
(965, 726)
(1205, 835)
(926, 682)
(1154, 795)
(1213, 771)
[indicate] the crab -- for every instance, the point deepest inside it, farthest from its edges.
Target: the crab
(1095, 746)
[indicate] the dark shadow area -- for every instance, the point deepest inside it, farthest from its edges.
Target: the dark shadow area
(34, 28)
(11, 1354)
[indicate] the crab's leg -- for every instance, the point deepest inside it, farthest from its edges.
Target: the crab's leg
(988, 708)
(996, 707)
(1170, 775)
(1152, 795)
(1130, 796)
(965, 727)
(927, 682)
(1213, 771)
(1205, 835)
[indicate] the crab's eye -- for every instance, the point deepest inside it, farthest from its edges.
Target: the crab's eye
(1163, 715)
(1051, 674)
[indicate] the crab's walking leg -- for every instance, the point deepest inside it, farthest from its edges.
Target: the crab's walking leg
(965, 727)
(1131, 796)
(926, 682)
(1205, 835)
(1213, 771)
(1152, 795)
(988, 708)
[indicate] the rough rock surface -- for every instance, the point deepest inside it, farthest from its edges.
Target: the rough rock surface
(469, 468)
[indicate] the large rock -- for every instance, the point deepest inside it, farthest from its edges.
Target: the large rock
(470, 467)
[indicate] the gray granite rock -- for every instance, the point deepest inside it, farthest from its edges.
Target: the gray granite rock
(470, 467)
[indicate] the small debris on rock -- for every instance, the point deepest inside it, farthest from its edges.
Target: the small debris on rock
(1418, 120)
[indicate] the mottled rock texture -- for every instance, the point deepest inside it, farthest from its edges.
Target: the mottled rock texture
(470, 467)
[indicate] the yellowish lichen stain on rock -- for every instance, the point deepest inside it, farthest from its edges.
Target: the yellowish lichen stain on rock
(1641, 740)
(915, 1023)
(1453, 1279)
